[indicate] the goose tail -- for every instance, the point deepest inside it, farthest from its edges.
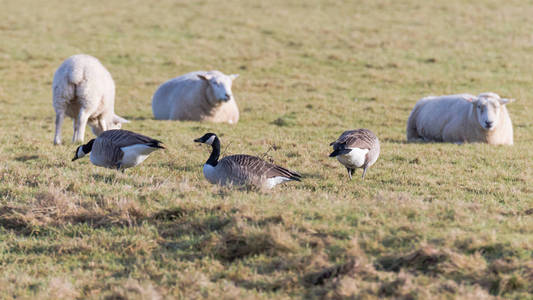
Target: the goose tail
(156, 144)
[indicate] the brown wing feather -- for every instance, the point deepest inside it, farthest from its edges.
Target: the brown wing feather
(123, 138)
(360, 138)
(243, 165)
(107, 152)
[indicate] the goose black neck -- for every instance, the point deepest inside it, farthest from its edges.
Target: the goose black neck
(213, 158)
(88, 147)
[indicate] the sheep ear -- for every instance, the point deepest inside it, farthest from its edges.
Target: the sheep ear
(233, 76)
(504, 101)
(118, 119)
(205, 77)
(470, 98)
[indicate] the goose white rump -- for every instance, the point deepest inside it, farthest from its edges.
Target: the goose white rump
(355, 158)
(135, 154)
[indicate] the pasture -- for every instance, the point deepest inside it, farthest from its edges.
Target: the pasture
(430, 221)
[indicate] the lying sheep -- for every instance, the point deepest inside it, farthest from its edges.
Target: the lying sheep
(461, 119)
(197, 96)
(84, 90)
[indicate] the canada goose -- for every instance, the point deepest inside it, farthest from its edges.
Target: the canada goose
(356, 149)
(118, 149)
(242, 169)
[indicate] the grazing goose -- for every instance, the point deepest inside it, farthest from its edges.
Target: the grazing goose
(118, 149)
(242, 169)
(356, 149)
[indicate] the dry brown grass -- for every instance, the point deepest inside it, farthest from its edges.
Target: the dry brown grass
(430, 221)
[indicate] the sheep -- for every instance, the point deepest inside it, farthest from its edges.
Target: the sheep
(460, 119)
(84, 90)
(197, 96)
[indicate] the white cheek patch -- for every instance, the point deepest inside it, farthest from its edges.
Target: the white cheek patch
(210, 140)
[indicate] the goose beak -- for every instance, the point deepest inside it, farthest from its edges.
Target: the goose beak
(74, 158)
(198, 140)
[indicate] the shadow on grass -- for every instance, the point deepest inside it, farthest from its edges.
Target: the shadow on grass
(25, 158)
(225, 233)
(396, 141)
(108, 179)
(194, 231)
(311, 175)
(137, 118)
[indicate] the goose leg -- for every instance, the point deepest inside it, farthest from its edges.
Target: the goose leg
(350, 172)
(364, 172)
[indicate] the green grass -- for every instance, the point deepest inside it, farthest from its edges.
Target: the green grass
(435, 221)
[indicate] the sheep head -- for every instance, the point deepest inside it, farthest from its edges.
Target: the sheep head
(218, 86)
(488, 108)
(111, 122)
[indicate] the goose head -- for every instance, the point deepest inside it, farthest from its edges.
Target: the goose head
(83, 150)
(207, 138)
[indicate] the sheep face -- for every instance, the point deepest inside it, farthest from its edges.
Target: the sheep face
(488, 107)
(219, 87)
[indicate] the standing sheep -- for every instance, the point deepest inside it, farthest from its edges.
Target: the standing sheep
(197, 96)
(461, 119)
(84, 90)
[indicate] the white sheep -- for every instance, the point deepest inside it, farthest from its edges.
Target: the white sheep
(197, 96)
(460, 119)
(84, 90)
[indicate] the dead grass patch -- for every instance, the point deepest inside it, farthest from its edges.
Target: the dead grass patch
(319, 278)
(61, 288)
(424, 259)
(241, 240)
(134, 289)
(401, 287)
(500, 277)
(55, 208)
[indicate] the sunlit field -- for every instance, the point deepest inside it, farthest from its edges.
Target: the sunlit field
(430, 221)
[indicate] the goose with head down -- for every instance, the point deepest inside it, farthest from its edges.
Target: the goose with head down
(118, 149)
(356, 149)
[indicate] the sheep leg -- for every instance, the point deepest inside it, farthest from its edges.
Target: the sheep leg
(103, 124)
(60, 116)
(79, 126)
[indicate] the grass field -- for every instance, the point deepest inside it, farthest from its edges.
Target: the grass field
(430, 221)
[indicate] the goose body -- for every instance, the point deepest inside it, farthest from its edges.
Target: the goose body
(356, 149)
(242, 169)
(118, 149)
